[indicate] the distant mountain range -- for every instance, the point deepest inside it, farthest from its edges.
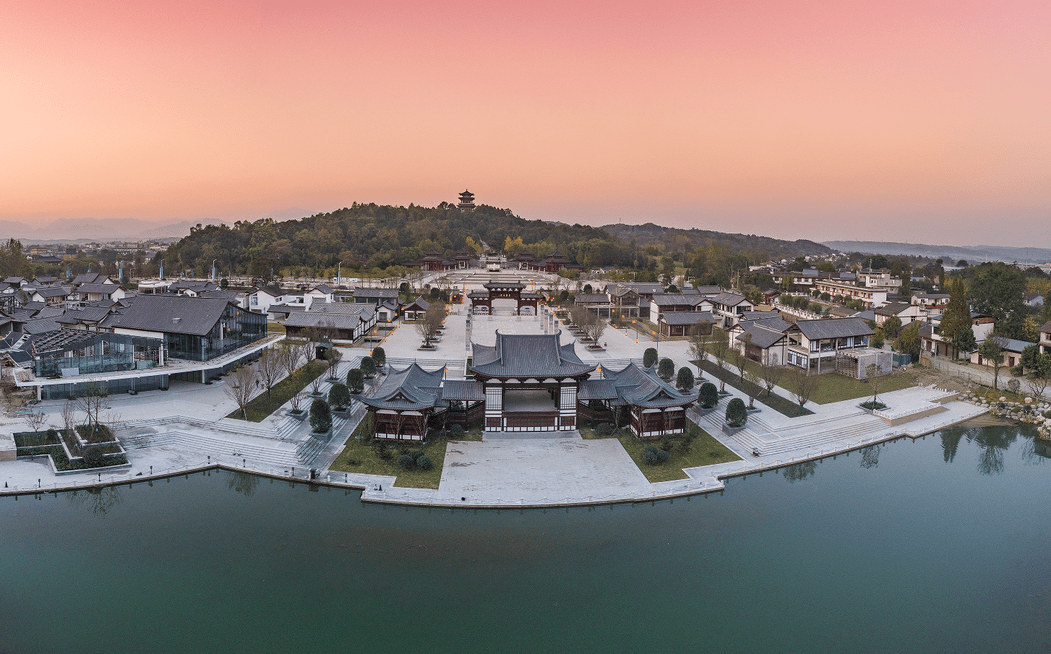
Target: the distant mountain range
(98, 229)
(773, 247)
(954, 253)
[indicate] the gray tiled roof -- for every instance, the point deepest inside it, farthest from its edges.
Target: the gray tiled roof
(728, 299)
(686, 317)
(528, 355)
(758, 334)
(348, 308)
(833, 328)
(642, 387)
(463, 391)
(893, 308)
(171, 314)
(308, 319)
(411, 389)
(51, 291)
(97, 288)
(677, 299)
(591, 298)
(376, 292)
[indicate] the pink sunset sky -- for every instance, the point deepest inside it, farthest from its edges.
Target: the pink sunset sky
(920, 121)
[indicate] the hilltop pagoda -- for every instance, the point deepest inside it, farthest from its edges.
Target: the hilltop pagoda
(466, 201)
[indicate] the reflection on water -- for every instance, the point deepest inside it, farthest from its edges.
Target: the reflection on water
(243, 482)
(97, 500)
(951, 444)
(1035, 451)
(870, 456)
(993, 444)
(799, 471)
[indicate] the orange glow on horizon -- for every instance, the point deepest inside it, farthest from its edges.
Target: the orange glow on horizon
(744, 116)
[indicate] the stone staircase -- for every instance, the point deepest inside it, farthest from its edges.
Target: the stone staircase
(278, 454)
(804, 438)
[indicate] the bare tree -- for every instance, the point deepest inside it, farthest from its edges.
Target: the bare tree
(296, 403)
(240, 386)
(91, 403)
(1036, 384)
(333, 356)
(432, 322)
(36, 420)
(872, 375)
(315, 384)
(720, 348)
(771, 375)
(803, 385)
(270, 368)
(750, 379)
(69, 416)
(700, 342)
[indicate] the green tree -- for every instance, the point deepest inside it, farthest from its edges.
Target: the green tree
(709, 395)
(320, 416)
(379, 356)
(909, 340)
(1029, 357)
(339, 396)
(666, 368)
(998, 290)
(368, 367)
(892, 327)
(684, 380)
(649, 357)
(356, 380)
(992, 351)
(956, 322)
(736, 413)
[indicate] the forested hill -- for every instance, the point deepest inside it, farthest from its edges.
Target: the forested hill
(374, 236)
(675, 238)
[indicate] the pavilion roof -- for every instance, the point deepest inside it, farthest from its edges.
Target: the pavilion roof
(536, 356)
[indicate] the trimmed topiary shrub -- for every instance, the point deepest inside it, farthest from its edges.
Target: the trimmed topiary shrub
(456, 432)
(416, 454)
(339, 396)
(424, 463)
(405, 462)
(379, 356)
(356, 380)
(649, 357)
(384, 451)
(368, 367)
(684, 381)
(736, 413)
(665, 369)
(605, 429)
(709, 395)
(320, 416)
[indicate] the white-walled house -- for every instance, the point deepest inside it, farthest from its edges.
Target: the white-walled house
(816, 343)
(260, 298)
(905, 312)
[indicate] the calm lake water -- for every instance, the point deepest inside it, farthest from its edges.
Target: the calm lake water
(938, 545)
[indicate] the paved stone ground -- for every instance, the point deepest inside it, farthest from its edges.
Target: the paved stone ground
(504, 470)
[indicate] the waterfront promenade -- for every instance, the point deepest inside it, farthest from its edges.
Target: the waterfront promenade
(186, 429)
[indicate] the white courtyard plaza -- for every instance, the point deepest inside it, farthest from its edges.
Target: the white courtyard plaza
(186, 428)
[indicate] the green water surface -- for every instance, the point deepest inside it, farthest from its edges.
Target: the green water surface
(937, 545)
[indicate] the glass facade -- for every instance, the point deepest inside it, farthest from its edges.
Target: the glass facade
(235, 329)
(99, 352)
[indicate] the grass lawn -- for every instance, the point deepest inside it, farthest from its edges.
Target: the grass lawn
(357, 456)
(780, 404)
(262, 406)
(835, 387)
(703, 451)
(275, 328)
